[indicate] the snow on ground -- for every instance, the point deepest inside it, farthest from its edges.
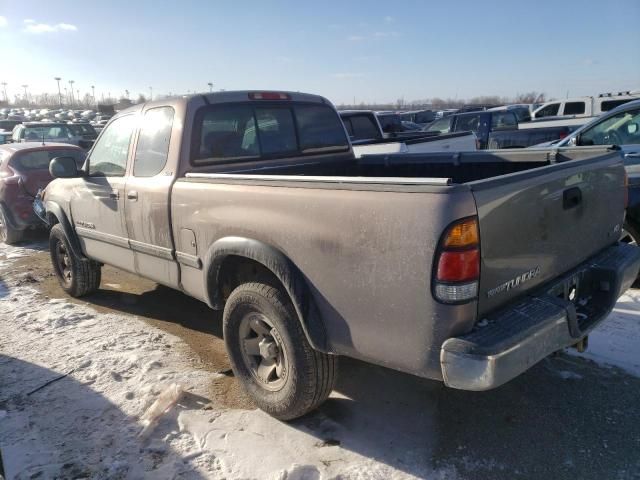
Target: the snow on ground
(615, 341)
(87, 424)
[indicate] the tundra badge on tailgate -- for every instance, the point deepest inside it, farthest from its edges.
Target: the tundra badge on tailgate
(514, 282)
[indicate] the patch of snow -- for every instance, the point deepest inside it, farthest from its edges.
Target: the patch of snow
(569, 375)
(615, 341)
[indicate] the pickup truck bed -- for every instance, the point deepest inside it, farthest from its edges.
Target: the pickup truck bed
(361, 271)
(313, 254)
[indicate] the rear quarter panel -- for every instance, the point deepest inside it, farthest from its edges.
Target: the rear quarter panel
(366, 256)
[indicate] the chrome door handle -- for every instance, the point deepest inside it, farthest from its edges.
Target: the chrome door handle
(114, 194)
(132, 195)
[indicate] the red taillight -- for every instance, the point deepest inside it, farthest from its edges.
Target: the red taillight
(269, 96)
(457, 270)
(458, 266)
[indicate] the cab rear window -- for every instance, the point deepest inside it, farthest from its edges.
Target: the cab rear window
(230, 132)
(40, 159)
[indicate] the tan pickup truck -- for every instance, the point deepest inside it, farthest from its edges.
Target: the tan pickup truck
(462, 267)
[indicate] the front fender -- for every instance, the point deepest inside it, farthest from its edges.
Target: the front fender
(281, 266)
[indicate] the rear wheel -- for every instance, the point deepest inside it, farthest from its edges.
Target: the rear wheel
(629, 235)
(77, 275)
(270, 354)
(8, 234)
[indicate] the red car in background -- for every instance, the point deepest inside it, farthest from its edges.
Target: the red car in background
(24, 169)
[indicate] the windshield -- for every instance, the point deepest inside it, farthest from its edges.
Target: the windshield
(55, 132)
(620, 129)
(40, 159)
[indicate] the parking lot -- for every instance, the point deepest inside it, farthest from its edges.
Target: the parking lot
(568, 417)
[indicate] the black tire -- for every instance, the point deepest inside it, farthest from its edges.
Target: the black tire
(307, 376)
(78, 276)
(630, 234)
(8, 234)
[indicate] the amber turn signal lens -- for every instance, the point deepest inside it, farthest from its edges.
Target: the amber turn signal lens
(463, 234)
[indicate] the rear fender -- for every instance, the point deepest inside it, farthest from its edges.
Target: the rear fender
(277, 263)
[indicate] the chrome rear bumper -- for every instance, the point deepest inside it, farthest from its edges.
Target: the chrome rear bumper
(516, 338)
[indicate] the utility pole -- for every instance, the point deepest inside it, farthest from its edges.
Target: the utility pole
(210, 87)
(71, 82)
(4, 88)
(26, 98)
(57, 79)
(93, 93)
(150, 93)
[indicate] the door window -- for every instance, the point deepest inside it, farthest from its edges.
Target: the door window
(465, 123)
(363, 127)
(153, 142)
(109, 155)
(550, 110)
(574, 108)
(503, 121)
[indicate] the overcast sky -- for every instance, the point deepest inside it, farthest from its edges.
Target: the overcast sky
(370, 51)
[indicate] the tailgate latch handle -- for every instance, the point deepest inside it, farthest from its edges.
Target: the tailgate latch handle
(572, 197)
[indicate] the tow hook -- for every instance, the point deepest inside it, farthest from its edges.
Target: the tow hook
(582, 345)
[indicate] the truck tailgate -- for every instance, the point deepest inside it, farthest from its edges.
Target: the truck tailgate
(538, 224)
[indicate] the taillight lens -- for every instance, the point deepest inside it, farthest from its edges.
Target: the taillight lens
(457, 262)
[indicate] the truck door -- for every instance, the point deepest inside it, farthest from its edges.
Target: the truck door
(97, 204)
(147, 198)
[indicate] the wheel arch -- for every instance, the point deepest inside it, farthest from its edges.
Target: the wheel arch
(234, 260)
(56, 215)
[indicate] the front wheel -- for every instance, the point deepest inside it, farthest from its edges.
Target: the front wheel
(270, 354)
(78, 276)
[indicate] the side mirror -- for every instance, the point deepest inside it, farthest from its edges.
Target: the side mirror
(63, 167)
(573, 141)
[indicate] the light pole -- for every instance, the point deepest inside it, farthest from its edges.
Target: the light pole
(71, 82)
(78, 97)
(150, 93)
(26, 98)
(57, 79)
(93, 93)
(4, 88)
(210, 87)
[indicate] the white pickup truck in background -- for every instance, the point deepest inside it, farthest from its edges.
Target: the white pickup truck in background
(581, 107)
(367, 137)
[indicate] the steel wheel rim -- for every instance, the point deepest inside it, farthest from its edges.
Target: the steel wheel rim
(626, 237)
(263, 351)
(63, 262)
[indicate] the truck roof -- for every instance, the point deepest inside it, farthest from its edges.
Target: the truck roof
(233, 97)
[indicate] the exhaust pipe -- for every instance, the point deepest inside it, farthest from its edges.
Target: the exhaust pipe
(582, 345)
